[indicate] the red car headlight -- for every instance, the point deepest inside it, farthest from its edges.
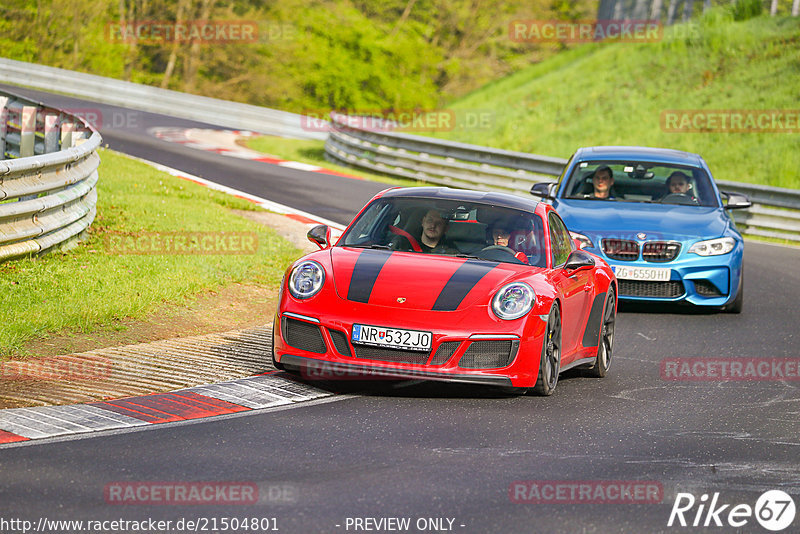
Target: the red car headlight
(513, 300)
(306, 279)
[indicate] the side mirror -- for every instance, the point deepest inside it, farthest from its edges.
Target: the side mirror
(544, 189)
(320, 235)
(736, 201)
(579, 259)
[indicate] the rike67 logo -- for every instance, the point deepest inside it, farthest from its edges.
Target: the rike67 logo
(774, 510)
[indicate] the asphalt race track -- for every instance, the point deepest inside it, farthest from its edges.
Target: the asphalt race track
(448, 457)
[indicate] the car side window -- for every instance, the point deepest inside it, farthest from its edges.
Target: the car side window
(560, 241)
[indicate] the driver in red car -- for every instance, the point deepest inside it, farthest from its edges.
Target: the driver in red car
(433, 240)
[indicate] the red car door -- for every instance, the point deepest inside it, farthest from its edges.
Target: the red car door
(573, 286)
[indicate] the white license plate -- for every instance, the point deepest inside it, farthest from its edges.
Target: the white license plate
(642, 273)
(392, 337)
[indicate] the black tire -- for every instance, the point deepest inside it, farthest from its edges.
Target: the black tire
(738, 303)
(550, 361)
(605, 345)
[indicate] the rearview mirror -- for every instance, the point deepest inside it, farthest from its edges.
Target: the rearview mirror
(736, 201)
(579, 259)
(320, 235)
(544, 189)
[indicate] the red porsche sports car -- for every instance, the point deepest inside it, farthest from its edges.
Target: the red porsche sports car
(448, 284)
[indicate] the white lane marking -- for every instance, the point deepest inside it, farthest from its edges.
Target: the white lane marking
(644, 336)
(300, 166)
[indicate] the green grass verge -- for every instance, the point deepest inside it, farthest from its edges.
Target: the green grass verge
(92, 287)
(313, 152)
(615, 94)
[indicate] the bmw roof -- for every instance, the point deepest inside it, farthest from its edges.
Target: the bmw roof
(445, 193)
(622, 153)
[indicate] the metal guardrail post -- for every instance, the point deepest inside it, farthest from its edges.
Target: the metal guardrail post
(3, 121)
(27, 131)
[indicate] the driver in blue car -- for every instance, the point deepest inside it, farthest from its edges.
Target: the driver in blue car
(678, 184)
(603, 183)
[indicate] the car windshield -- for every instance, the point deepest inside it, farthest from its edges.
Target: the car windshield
(640, 181)
(449, 227)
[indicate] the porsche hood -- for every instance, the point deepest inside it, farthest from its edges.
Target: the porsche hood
(416, 281)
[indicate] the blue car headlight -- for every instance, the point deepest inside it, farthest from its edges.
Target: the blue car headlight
(306, 279)
(584, 241)
(713, 247)
(513, 300)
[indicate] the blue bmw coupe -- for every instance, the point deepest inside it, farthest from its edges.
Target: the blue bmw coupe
(656, 216)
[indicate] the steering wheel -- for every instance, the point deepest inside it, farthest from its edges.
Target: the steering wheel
(499, 247)
(678, 198)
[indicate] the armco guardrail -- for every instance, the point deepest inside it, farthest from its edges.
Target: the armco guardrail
(775, 212)
(48, 176)
(156, 100)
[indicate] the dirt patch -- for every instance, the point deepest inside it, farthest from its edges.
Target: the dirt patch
(231, 308)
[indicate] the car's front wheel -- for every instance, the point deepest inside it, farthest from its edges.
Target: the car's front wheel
(606, 344)
(550, 362)
(275, 363)
(738, 303)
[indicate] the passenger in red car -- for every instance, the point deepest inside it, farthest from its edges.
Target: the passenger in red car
(500, 235)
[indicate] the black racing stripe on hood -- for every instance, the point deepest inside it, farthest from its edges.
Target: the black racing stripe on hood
(463, 280)
(366, 270)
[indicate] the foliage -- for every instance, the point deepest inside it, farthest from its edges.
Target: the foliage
(356, 55)
(746, 9)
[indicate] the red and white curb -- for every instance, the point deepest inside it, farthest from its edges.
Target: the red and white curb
(269, 390)
(224, 142)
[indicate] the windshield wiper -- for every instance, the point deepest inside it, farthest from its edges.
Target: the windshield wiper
(474, 257)
(374, 246)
